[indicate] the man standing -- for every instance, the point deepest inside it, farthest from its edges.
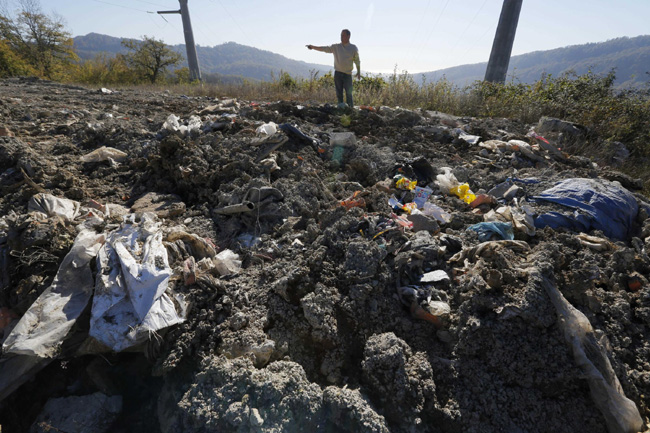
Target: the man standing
(345, 55)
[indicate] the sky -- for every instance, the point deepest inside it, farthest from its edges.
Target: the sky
(408, 35)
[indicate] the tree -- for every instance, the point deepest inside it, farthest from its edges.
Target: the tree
(40, 40)
(150, 57)
(11, 64)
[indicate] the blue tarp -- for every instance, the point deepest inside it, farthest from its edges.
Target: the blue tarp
(487, 229)
(598, 205)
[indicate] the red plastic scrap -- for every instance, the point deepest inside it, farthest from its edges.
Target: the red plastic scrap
(401, 221)
(353, 201)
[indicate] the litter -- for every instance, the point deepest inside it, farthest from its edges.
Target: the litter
(621, 414)
(470, 139)
(267, 129)
(355, 200)
(421, 196)
(402, 182)
(47, 322)
(131, 293)
(463, 192)
(597, 203)
(521, 217)
(437, 212)
(227, 263)
(487, 230)
(50, 205)
(105, 154)
(434, 276)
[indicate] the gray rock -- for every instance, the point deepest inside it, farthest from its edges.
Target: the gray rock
(89, 413)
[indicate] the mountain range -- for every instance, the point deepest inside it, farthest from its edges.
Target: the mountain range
(630, 57)
(227, 61)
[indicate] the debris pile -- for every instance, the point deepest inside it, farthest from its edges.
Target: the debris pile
(173, 263)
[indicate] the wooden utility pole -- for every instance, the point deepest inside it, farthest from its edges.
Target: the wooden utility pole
(503, 41)
(192, 58)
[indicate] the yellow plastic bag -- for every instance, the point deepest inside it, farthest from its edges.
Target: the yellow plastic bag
(463, 192)
(404, 183)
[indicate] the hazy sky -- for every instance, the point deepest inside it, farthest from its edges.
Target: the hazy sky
(415, 35)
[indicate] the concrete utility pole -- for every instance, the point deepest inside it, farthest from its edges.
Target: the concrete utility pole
(192, 59)
(503, 41)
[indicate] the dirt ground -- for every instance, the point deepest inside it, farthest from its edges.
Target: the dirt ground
(338, 311)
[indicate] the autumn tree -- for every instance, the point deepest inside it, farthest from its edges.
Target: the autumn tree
(150, 57)
(41, 40)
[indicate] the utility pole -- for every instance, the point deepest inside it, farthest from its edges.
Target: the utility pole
(192, 58)
(503, 41)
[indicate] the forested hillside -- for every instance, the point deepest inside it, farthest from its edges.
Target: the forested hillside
(630, 57)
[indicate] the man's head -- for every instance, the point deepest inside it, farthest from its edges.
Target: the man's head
(345, 36)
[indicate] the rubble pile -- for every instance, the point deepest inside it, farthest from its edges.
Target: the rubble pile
(173, 263)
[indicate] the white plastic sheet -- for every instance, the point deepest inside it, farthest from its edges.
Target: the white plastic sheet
(105, 154)
(131, 299)
(227, 263)
(171, 124)
(267, 129)
(51, 206)
(621, 414)
(47, 322)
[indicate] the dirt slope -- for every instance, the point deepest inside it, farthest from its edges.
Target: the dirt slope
(331, 317)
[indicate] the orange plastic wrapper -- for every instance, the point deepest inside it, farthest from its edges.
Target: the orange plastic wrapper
(353, 201)
(408, 207)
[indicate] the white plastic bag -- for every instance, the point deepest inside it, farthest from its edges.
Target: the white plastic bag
(267, 129)
(131, 299)
(447, 180)
(51, 206)
(437, 212)
(104, 154)
(227, 263)
(45, 325)
(171, 124)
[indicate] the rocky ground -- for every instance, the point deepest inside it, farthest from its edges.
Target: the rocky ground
(309, 298)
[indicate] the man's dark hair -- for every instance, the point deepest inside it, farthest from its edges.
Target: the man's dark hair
(347, 31)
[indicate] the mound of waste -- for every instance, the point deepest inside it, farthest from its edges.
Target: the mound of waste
(173, 263)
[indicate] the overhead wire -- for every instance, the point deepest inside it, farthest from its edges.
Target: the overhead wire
(250, 40)
(417, 29)
(480, 38)
(122, 6)
(209, 27)
(463, 32)
(154, 4)
(426, 41)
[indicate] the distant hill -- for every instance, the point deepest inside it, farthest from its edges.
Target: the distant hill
(229, 59)
(232, 61)
(630, 57)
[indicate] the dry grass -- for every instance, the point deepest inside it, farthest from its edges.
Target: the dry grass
(588, 100)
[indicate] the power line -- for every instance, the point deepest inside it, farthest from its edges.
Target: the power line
(470, 24)
(426, 41)
(480, 38)
(417, 29)
(250, 40)
(464, 31)
(203, 25)
(151, 3)
(122, 6)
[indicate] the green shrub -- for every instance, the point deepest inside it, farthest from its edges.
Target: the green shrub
(11, 64)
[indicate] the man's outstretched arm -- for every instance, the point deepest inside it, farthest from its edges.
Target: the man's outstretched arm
(314, 47)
